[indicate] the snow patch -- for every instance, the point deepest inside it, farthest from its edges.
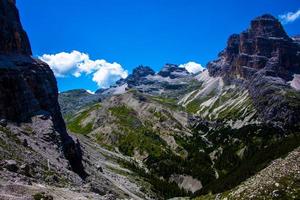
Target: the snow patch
(90, 92)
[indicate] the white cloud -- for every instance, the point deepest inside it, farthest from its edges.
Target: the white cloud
(77, 63)
(192, 67)
(105, 76)
(289, 17)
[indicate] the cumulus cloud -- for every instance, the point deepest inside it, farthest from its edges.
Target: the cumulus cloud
(192, 67)
(289, 17)
(77, 63)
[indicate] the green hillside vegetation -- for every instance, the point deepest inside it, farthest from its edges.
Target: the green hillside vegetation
(74, 124)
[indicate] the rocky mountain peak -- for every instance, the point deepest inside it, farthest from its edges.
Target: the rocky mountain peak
(142, 71)
(138, 76)
(265, 45)
(267, 26)
(265, 59)
(172, 71)
(14, 39)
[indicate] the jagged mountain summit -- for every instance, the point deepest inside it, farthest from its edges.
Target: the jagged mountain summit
(137, 77)
(210, 131)
(265, 45)
(267, 62)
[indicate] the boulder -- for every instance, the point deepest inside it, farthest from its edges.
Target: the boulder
(25, 169)
(11, 165)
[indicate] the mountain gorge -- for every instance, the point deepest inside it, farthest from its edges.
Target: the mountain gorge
(230, 131)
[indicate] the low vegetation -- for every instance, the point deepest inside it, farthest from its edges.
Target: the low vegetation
(74, 124)
(134, 136)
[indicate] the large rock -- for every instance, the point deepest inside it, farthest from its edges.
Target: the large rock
(11, 165)
(28, 86)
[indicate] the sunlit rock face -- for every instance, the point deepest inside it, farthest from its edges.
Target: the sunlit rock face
(264, 46)
(264, 59)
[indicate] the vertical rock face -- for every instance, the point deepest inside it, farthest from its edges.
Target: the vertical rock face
(265, 59)
(265, 45)
(13, 38)
(28, 86)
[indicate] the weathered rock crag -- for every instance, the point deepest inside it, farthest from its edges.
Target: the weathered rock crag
(264, 59)
(265, 45)
(27, 85)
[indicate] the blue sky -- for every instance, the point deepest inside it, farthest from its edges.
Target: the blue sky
(134, 32)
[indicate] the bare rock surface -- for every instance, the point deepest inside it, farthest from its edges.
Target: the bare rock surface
(13, 38)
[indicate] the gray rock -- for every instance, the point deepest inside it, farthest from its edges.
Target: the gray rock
(3, 122)
(11, 165)
(25, 169)
(172, 71)
(99, 168)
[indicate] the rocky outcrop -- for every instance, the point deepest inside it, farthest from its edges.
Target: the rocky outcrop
(265, 45)
(137, 77)
(173, 71)
(28, 86)
(13, 38)
(263, 59)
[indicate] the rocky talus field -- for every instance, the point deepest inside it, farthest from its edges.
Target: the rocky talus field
(228, 132)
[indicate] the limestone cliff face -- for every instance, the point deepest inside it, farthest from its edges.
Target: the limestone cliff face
(264, 59)
(28, 86)
(265, 45)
